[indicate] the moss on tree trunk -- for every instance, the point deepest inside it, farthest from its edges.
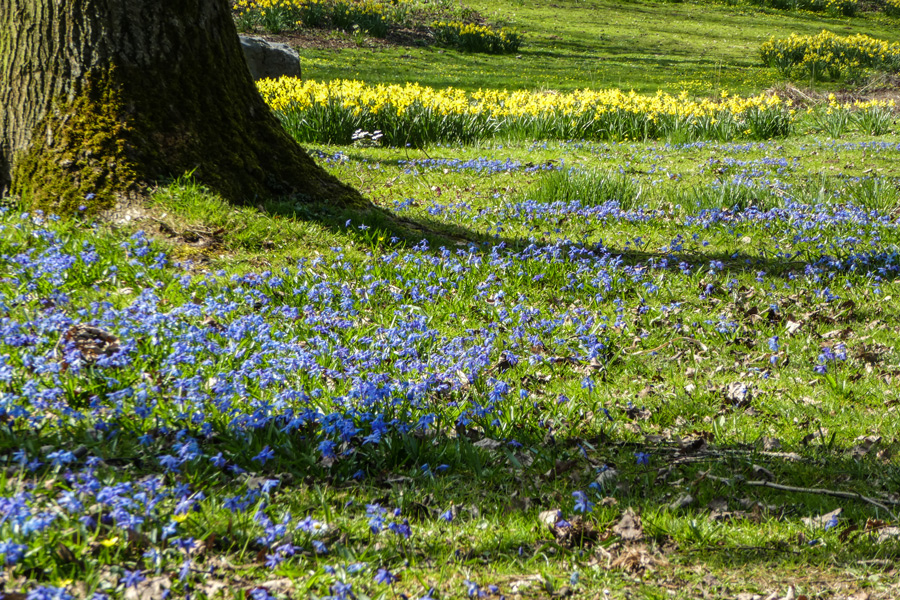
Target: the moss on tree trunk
(102, 98)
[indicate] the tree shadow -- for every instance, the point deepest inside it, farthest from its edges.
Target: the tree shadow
(411, 231)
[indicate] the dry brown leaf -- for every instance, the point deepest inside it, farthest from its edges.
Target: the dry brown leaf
(607, 479)
(576, 533)
(550, 518)
(92, 342)
(719, 503)
(887, 534)
(771, 444)
(682, 501)
(524, 582)
(151, 588)
(792, 327)
(488, 444)
(842, 334)
(637, 559)
(737, 394)
(211, 587)
(864, 445)
(629, 527)
(826, 520)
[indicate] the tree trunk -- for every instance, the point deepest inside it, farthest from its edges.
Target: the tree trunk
(101, 98)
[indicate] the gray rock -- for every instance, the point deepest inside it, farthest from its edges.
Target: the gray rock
(269, 59)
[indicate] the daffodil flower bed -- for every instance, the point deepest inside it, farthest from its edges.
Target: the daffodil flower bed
(892, 8)
(275, 16)
(830, 56)
(846, 8)
(476, 38)
(872, 117)
(411, 114)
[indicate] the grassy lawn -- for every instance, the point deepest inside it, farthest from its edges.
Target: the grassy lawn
(571, 44)
(297, 416)
(540, 369)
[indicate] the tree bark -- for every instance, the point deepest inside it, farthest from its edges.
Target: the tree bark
(101, 98)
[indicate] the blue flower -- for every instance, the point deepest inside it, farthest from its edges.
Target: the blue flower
(384, 576)
(264, 456)
(132, 578)
(48, 592)
(12, 552)
(401, 529)
(582, 504)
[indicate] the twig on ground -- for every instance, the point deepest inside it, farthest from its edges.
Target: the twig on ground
(820, 491)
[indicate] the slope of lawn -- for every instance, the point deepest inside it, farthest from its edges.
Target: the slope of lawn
(572, 44)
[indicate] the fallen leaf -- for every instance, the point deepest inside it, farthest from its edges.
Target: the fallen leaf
(211, 587)
(488, 444)
(719, 503)
(550, 518)
(888, 533)
(636, 560)
(771, 444)
(792, 327)
(151, 588)
(737, 394)
(682, 501)
(607, 479)
(524, 582)
(842, 334)
(629, 527)
(864, 445)
(92, 342)
(827, 520)
(577, 533)
(692, 444)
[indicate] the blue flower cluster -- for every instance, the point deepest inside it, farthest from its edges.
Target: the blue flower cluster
(334, 363)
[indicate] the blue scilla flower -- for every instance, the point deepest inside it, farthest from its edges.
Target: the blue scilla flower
(342, 591)
(60, 458)
(264, 456)
(12, 552)
(48, 592)
(384, 576)
(132, 578)
(582, 504)
(401, 529)
(473, 590)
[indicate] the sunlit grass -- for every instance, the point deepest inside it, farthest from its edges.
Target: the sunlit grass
(643, 325)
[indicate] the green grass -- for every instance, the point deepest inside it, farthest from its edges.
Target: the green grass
(646, 321)
(645, 46)
(663, 376)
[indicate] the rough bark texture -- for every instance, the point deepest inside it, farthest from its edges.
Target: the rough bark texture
(101, 98)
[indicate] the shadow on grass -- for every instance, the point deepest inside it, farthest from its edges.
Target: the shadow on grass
(439, 234)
